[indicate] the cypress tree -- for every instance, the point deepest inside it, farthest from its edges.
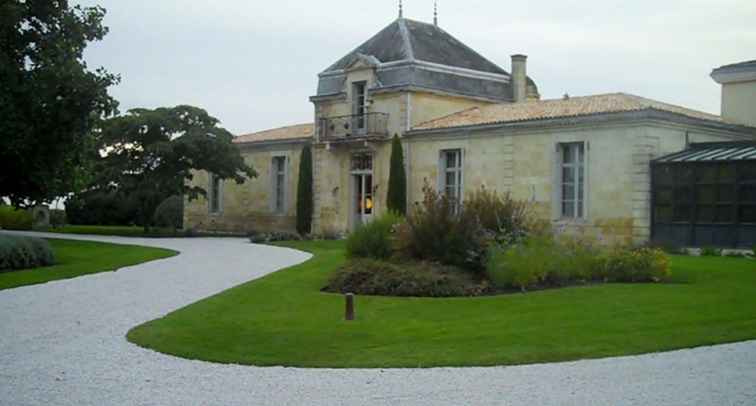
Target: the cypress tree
(304, 192)
(396, 199)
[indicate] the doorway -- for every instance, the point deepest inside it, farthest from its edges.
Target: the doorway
(363, 190)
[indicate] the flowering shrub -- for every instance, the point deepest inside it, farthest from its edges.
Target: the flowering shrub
(545, 262)
(438, 231)
(638, 265)
(507, 220)
(374, 239)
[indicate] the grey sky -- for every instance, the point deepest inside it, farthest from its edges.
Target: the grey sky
(253, 64)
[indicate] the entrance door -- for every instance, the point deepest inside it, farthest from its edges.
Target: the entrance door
(363, 195)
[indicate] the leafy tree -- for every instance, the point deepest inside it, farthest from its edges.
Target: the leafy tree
(49, 99)
(396, 199)
(304, 192)
(151, 154)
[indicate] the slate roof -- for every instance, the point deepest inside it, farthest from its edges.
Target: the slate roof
(733, 67)
(713, 152)
(288, 133)
(410, 54)
(406, 39)
(558, 108)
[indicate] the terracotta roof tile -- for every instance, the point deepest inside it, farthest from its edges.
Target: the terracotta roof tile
(278, 134)
(557, 108)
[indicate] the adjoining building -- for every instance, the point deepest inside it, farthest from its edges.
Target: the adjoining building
(465, 123)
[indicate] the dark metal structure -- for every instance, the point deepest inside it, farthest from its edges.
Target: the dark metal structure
(705, 196)
(353, 126)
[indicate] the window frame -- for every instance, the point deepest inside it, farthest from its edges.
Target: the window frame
(215, 195)
(275, 186)
(458, 172)
(578, 184)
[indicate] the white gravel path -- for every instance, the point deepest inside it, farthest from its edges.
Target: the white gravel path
(63, 343)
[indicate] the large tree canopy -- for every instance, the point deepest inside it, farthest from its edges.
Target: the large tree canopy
(151, 154)
(49, 100)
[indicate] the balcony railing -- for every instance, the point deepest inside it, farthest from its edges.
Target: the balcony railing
(353, 126)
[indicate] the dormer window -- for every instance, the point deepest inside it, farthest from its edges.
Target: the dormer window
(359, 99)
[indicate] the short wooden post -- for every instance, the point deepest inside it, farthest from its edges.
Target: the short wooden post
(349, 311)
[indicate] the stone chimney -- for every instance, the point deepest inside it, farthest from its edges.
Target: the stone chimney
(519, 78)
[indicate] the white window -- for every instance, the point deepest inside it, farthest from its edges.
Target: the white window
(451, 174)
(359, 96)
(572, 180)
(278, 176)
(215, 194)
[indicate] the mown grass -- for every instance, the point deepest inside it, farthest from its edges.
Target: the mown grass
(284, 319)
(76, 258)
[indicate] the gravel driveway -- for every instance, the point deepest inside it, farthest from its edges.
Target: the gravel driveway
(63, 343)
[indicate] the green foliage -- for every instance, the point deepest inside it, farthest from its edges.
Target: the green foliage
(711, 252)
(374, 239)
(668, 247)
(639, 265)
(18, 252)
(170, 213)
(508, 220)
(543, 262)
(396, 197)
(304, 193)
(102, 207)
(58, 218)
(420, 279)
(49, 100)
(438, 231)
(152, 154)
(74, 258)
(524, 265)
(12, 218)
(272, 236)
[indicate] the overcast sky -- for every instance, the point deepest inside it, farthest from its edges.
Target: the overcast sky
(253, 64)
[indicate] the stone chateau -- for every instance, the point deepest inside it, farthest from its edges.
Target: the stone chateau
(464, 122)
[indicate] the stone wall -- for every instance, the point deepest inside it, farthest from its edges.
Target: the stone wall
(739, 103)
(249, 206)
(524, 163)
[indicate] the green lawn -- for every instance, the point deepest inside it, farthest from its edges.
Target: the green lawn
(283, 319)
(76, 258)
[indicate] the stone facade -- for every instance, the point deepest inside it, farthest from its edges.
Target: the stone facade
(249, 206)
(505, 146)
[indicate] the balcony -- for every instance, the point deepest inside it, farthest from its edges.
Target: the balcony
(353, 127)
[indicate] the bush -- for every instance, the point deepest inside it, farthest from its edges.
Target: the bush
(15, 219)
(638, 265)
(58, 218)
(24, 252)
(508, 220)
(304, 193)
(396, 197)
(668, 247)
(101, 207)
(420, 279)
(438, 231)
(256, 237)
(523, 265)
(542, 262)
(374, 239)
(711, 252)
(170, 213)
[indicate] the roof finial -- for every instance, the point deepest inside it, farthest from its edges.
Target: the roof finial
(401, 14)
(435, 13)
